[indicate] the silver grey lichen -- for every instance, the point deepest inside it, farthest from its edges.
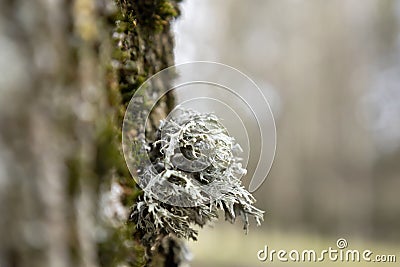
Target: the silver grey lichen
(195, 165)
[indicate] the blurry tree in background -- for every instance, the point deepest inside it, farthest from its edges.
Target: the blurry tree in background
(67, 70)
(330, 70)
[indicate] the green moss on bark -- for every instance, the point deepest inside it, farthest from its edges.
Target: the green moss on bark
(142, 45)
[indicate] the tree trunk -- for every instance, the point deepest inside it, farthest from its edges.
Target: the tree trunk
(68, 70)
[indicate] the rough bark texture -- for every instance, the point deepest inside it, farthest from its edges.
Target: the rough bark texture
(67, 71)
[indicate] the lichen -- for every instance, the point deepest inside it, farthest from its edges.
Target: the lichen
(195, 172)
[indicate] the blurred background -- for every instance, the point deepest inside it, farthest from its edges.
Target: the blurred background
(331, 73)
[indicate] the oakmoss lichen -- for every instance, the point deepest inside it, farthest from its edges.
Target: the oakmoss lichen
(195, 172)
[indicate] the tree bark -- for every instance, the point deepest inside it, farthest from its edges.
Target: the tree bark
(68, 70)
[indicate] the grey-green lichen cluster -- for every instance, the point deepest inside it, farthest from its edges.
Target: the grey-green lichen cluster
(196, 171)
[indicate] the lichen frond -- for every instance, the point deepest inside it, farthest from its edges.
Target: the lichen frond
(194, 161)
